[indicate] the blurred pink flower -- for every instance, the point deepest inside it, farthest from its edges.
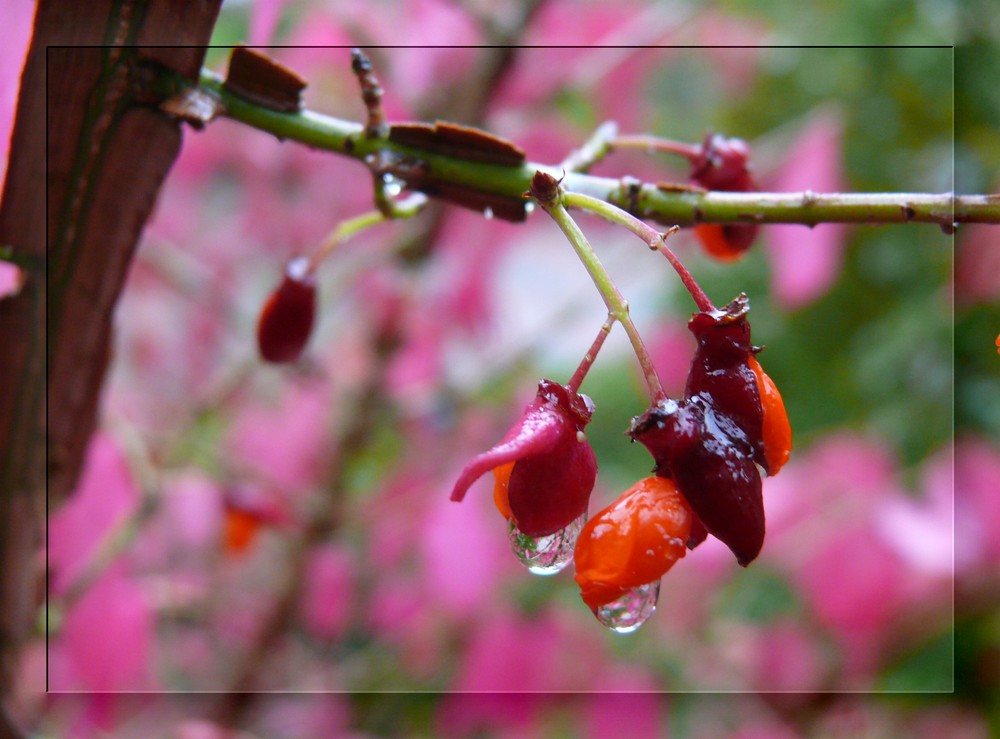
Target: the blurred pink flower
(328, 595)
(787, 658)
(671, 346)
(839, 526)
(171, 328)
(264, 17)
(840, 478)
(415, 371)
(545, 652)
(512, 714)
(977, 515)
(857, 587)
(625, 703)
(192, 511)
(196, 728)
(18, 17)
(732, 44)
(433, 42)
(471, 250)
(463, 550)
(285, 443)
(305, 717)
(921, 531)
(806, 261)
(977, 264)
(104, 497)
(106, 639)
(11, 279)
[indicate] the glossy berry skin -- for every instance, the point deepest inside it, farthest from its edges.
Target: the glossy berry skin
(544, 467)
(726, 242)
(632, 542)
(287, 318)
(777, 431)
(722, 164)
(711, 442)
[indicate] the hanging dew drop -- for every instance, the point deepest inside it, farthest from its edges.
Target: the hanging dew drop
(488, 213)
(391, 185)
(529, 207)
(546, 555)
(631, 611)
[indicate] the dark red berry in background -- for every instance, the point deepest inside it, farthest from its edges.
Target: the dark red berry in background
(288, 315)
(722, 164)
(727, 242)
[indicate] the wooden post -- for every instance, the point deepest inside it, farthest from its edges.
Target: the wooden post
(89, 152)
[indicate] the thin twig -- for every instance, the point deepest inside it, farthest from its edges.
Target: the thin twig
(666, 203)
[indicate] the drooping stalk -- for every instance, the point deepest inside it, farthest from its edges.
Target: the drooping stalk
(613, 299)
(588, 359)
(346, 229)
(650, 236)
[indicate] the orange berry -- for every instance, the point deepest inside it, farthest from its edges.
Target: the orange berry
(241, 527)
(501, 476)
(777, 431)
(718, 243)
(632, 542)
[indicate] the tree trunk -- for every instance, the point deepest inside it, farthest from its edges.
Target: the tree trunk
(88, 154)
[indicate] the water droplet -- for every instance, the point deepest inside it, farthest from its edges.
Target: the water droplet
(546, 555)
(488, 213)
(529, 207)
(629, 612)
(392, 185)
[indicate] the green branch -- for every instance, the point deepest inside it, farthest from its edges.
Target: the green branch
(667, 204)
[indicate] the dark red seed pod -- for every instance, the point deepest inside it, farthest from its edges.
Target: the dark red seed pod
(722, 164)
(545, 468)
(712, 441)
(721, 373)
(698, 532)
(287, 318)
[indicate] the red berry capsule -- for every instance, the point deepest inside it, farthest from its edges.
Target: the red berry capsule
(730, 426)
(287, 318)
(544, 468)
(722, 164)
